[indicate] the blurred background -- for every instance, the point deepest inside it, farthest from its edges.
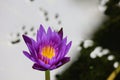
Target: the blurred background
(92, 25)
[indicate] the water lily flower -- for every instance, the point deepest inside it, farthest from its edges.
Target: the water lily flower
(49, 50)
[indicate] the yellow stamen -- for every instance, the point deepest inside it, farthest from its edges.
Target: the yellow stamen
(48, 52)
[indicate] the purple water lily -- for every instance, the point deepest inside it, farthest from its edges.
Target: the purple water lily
(49, 50)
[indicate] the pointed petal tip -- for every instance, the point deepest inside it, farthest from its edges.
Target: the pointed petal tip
(67, 47)
(61, 30)
(49, 29)
(41, 25)
(23, 36)
(27, 54)
(26, 39)
(70, 43)
(41, 29)
(65, 40)
(65, 60)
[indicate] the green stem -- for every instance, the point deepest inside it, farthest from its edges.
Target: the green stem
(47, 75)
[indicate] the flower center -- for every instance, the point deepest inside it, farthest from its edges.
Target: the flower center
(48, 52)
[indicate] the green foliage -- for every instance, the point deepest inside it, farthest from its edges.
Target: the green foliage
(87, 68)
(113, 8)
(107, 36)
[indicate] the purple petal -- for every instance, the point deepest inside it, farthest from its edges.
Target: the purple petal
(44, 40)
(31, 44)
(55, 38)
(60, 63)
(27, 39)
(61, 53)
(49, 32)
(49, 38)
(63, 61)
(28, 56)
(61, 33)
(65, 40)
(40, 33)
(67, 48)
(52, 67)
(52, 61)
(62, 48)
(41, 63)
(38, 67)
